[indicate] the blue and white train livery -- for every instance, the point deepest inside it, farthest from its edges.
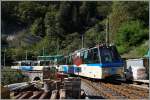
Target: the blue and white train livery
(99, 62)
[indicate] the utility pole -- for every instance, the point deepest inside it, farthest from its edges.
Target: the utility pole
(26, 56)
(4, 56)
(82, 41)
(44, 58)
(43, 51)
(107, 31)
(57, 45)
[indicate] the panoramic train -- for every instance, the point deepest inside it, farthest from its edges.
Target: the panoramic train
(39, 64)
(28, 65)
(66, 65)
(99, 62)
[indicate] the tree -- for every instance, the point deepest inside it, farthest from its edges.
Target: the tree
(64, 17)
(29, 10)
(37, 28)
(64, 23)
(138, 10)
(72, 43)
(104, 8)
(50, 23)
(93, 36)
(9, 11)
(131, 33)
(119, 15)
(10, 76)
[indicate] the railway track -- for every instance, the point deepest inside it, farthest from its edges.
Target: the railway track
(117, 91)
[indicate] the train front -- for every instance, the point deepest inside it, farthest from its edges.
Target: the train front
(111, 62)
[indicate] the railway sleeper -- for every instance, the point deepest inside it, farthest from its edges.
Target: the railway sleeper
(125, 88)
(120, 91)
(140, 93)
(108, 93)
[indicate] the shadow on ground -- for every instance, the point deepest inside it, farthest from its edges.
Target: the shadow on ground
(95, 97)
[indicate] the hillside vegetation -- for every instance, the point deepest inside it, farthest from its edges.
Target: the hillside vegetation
(57, 27)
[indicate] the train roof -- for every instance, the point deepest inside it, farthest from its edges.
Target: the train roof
(99, 45)
(23, 61)
(85, 49)
(50, 58)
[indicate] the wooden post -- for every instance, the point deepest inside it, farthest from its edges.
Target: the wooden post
(107, 31)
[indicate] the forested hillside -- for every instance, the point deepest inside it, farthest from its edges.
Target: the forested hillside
(57, 27)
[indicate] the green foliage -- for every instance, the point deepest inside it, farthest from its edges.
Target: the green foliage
(93, 37)
(48, 44)
(123, 49)
(9, 11)
(131, 33)
(104, 9)
(9, 76)
(50, 24)
(29, 10)
(124, 11)
(37, 28)
(61, 24)
(138, 10)
(74, 42)
(137, 51)
(117, 17)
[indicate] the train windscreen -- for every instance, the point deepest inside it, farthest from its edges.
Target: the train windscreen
(109, 55)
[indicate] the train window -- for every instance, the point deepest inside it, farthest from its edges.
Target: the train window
(34, 64)
(44, 63)
(70, 60)
(82, 57)
(67, 60)
(106, 55)
(61, 61)
(25, 63)
(95, 56)
(88, 57)
(91, 56)
(85, 54)
(115, 53)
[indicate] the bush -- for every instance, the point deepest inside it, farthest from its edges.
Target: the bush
(10, 76)
(122, 49)
(130, 34)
